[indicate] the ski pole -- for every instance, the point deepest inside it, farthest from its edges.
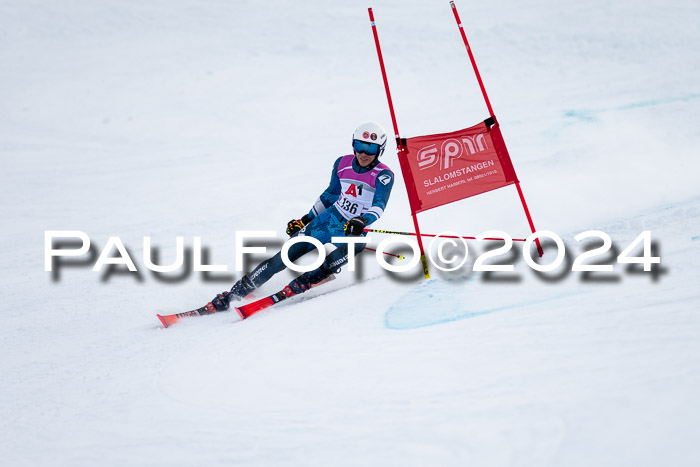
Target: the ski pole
(433, 235)
(386, 253)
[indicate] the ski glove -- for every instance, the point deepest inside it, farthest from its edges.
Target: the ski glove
(295, 225)
(355, 226)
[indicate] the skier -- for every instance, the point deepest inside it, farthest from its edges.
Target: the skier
(355, 198)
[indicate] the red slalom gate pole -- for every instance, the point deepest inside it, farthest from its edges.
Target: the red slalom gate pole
(471, 57)
(488, 105)
(399, 146)
(529, 218)
(386, 82)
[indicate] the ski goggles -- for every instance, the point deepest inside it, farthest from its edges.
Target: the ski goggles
(371, 149)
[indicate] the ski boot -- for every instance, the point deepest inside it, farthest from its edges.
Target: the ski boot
(309, 279)
(240, 290)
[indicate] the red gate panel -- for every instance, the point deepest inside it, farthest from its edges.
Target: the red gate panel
(447, 167)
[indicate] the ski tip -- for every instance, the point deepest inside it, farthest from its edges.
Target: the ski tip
(166, 321)
(240, 313)
(165, 325)
(162, 320)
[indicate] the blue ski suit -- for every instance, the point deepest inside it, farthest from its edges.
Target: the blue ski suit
(353, 190)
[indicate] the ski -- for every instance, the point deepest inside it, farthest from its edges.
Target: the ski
(169, 320)
(248, 310)
(244, 311)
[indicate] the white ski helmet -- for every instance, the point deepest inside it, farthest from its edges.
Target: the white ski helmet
(371, 133)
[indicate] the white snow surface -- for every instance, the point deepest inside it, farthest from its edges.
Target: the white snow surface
(199, 119)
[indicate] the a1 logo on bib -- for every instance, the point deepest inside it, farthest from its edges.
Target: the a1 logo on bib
(354, 191)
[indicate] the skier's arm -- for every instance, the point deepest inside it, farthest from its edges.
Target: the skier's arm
(329, 196)
(385, 181)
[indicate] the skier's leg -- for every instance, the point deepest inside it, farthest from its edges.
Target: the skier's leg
(332, 264)
(268, 268)
(259, 275)
(339, 257)
(263, 272)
